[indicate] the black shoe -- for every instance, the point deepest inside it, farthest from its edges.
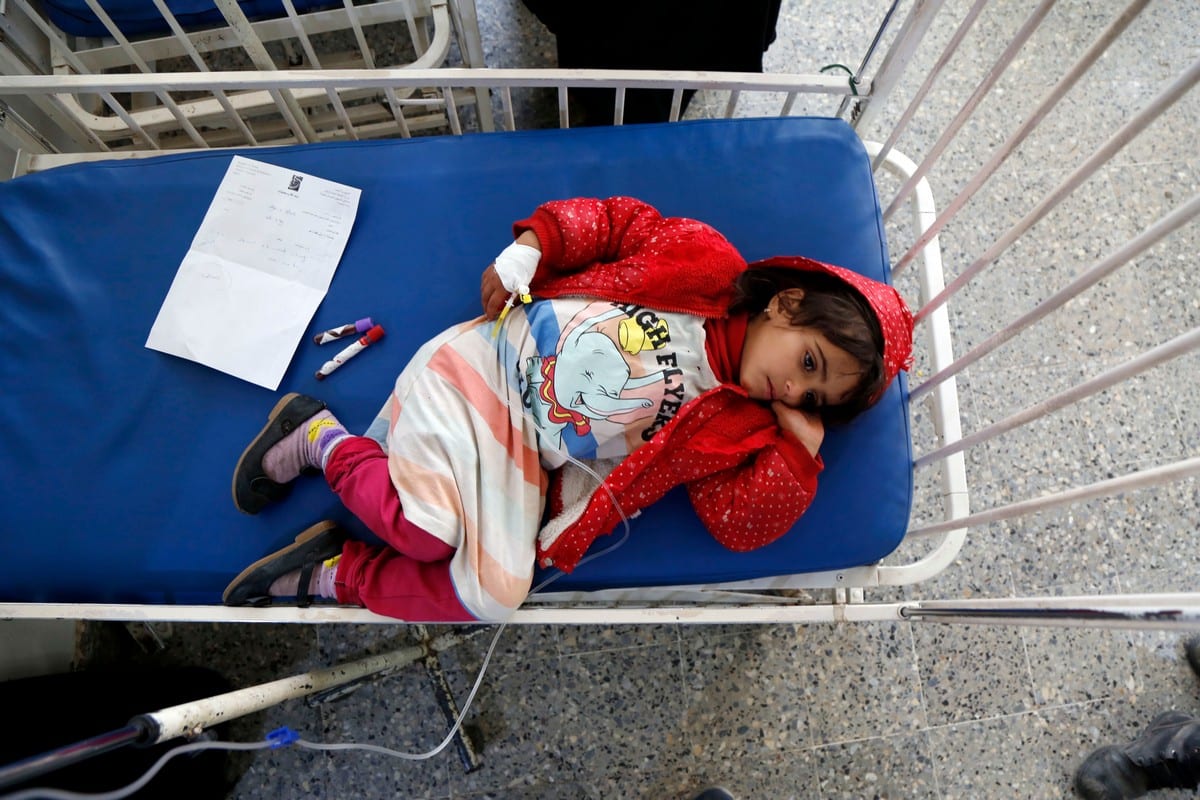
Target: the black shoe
(252, 489)
(314, 545)
(1165, 756)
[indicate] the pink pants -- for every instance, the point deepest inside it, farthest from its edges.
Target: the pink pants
(410, 578)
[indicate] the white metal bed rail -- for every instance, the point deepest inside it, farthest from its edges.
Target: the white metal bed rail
(1170, 223)
(32, 45)
(1162, 611)
(437, 90)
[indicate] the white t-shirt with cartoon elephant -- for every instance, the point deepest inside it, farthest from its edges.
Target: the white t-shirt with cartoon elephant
(598, 379)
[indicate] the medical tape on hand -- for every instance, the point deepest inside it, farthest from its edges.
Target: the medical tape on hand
(516, 265)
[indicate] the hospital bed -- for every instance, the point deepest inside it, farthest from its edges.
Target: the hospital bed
(117, 458)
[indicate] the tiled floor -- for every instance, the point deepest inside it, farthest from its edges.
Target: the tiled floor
(889, 709)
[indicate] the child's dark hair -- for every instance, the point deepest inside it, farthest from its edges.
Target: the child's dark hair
(835, 309)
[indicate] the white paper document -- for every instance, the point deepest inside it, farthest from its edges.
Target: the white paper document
(257, 269)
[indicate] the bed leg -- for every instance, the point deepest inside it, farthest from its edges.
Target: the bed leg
(147, 637)
(467, 751)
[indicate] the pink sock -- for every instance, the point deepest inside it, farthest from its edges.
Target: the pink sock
(307, 446)
(321, 584)
(327, 579)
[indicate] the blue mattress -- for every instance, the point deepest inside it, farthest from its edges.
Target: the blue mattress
(116, 459)
(140, 17)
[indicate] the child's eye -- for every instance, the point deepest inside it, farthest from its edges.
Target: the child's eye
(809, 401)
(809, 363)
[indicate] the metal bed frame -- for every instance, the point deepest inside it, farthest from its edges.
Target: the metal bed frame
(942, 524)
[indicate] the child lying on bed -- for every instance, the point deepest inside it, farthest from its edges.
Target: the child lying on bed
(652, 352)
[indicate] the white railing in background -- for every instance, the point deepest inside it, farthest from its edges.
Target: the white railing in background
(439, 90)
(226, 115)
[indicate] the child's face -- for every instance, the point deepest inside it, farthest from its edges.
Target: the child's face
(797, 366)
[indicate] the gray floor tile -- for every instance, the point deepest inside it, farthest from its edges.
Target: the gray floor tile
(1154, 552)
(972, 671)
(977, 571)
(294, 773)
(623, 711)
(1000, 757)
(1071, 665)
(788, 776)
(887, 768)
(861, 681)
(746, 691)
(399, 713)
(1164, 681)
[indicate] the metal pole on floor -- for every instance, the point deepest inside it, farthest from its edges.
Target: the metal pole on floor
(34, 766)
(191, 719)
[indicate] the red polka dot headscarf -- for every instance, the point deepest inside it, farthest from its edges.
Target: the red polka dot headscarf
(895, 320)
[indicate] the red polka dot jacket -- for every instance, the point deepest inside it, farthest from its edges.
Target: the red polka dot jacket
(748, 481)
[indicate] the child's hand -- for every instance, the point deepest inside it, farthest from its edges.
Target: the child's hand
(804, 425)
(519, 262)
(492, 293)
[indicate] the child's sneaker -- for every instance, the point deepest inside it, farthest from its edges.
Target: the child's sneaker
(298, 437)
